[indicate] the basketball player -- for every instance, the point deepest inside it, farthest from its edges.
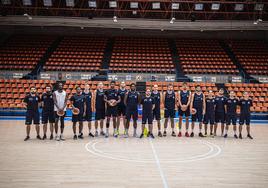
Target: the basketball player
(209, 117)
(157, 96)
(184, 100)
(132, 100)
(111, 98)
(169, 113)
(121, 107)
(220, 101)
(48, 112)
(89, 106)
(60, 102)
(198, 102)
(147, 113)
(78, 101)
(231, 116)
(245, 104)
(99, 108)
(31, 103)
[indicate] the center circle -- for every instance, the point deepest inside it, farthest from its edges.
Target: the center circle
(141, 152)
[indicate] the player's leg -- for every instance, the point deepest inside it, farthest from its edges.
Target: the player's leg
(241, 123)
(193, 124)
(180, 125)
(234, 119)
(228, 122)
(62, 127)
(74, 130)
(96, 128)
(172, 122)
(206, 128)
(166, 116)
(135, 124)
(28, 122)
(107, 125)
(150, 126)
(80, 128)
(36, 120)
(187, 126)
(115, 126)
(51, 127)
(44, 131)
(200, 119)
(248, 126)
(56, 126)
(143, 122)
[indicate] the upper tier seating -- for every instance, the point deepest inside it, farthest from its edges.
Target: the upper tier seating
(23, 52)
(142, 55)
(77, 54)
(253, 55)
(204, 57)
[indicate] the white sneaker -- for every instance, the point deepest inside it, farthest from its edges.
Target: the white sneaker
(106, 135)
(135, 135)
(62, 137)
(96, 134)
(57, 138)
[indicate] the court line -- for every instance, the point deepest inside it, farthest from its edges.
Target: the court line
(164, 180)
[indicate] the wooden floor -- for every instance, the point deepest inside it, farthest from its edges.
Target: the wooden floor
(116, 163)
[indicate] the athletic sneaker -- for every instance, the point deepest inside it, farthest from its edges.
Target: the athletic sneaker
(102, 133)
(211, 135)
(249, 136)
(106, 135)
(44, 137)
(57, 138)
(179, 135)
(165, 133)
(80, 136)
(187, 134)
(90, 134)
(236, 136)
(205, 135)
(51, 137)
(38, 137)
(159, 134)
(200, 135)
(26, 138)
(151, 135)
(240, 136)
(125, 135)
(96, 134)
(142, 135)
(116, 134)
(62, 137)
(173, 134)
(75, 137)
(192, 134)
(135, 135)
(225, 136)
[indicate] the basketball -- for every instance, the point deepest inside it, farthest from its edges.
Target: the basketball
(112, 102)
(75, 111)
(60, 113)
(193, 111)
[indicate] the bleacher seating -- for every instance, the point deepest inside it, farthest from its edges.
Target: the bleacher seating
(252, 55)
(141, 55)
(23, 52)
(204, 57)
(77, 54)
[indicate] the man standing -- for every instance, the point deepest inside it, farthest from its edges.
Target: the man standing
(99, 106)
(169, 104)
(121, 107)
(88, 110)
(184, 100)
(220, 101)
(132, 100)
(31, 102)
(157, 96)
(210, 113)
(78, 102)
(198, 108)
(60, 102)
(111, 98)
(48, 112)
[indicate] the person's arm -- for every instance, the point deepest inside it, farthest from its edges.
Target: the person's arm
(204, 104)
(191, 103)
(85, 106)
(72, 102)
(55, 100)
(94, 101)
(189, 98)
(118, 98)
(163, 99)
(225, 104)
(65, 101)
(25, 101)
(139, 98)
(39, 102)
(42, 101)
(125, 99)
(179, 98)
(105, 97)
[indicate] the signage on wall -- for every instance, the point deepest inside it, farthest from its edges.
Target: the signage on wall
(68, 76)
(263, 79)
(113, 77)
(197, 78)
(170, 78)
(17, 75)
(85, 76)
(236, 79)
(138, 77)
(44, 76)
(128, 77)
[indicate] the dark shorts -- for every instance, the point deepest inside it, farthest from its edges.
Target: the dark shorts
(198, 116)
(131, 113)
(100, 114)
(244, 118)
(32, 117)
(156, 113)
(88, 116)
(79, 117)
(111, 111)
(231, 118)
(186, 113)
(169, 113)
(48, 116)
(209, 119)
(219, 117)
(121, 110)
(147, 117)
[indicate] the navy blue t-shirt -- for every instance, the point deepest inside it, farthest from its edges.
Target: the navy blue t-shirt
(78, 101)
(122, 94)
(156, 97)
(100, 103)
(111, 94)
(220, 102)
(210, 106)
(32, 102)
(231, 105)
(198, 101)
(245, 106)
(147, 104)
(170, 100)
(88, 98)
(184, 97)
(47, 99)
(132, 99)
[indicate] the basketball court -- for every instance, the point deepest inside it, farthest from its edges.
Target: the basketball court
(133, 162)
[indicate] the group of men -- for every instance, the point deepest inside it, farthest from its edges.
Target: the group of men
(116, 104)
